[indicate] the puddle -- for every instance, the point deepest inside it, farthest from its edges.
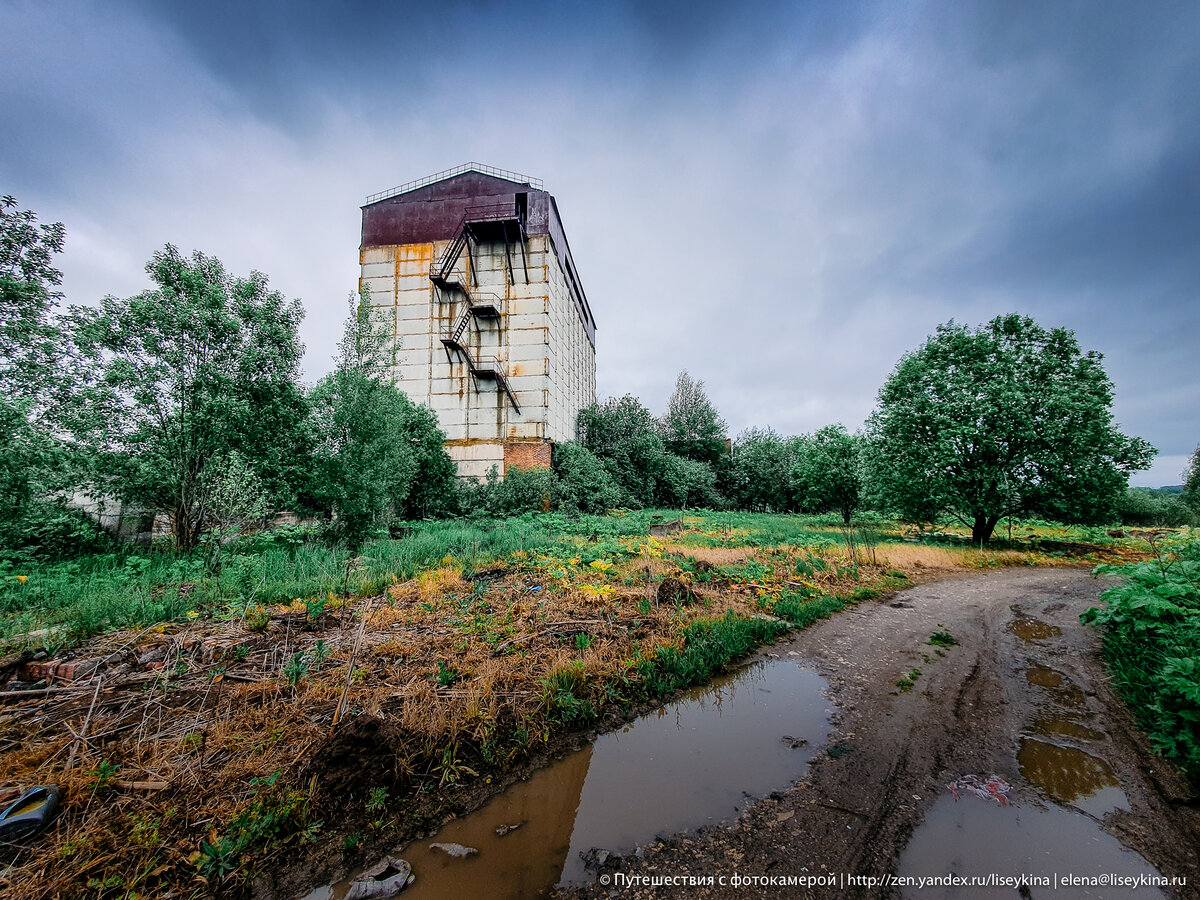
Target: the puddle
(693, 763)
(1071, 776)
(1049, 725)
(1062, 689)
(1029, 629)
(976, 838)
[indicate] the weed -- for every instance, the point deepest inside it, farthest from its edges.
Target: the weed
(103, 773)
(583, 641)
(907, 682)
(444, 676)
(296, 669)
(377, 800)
(941, 639)
(320, 653)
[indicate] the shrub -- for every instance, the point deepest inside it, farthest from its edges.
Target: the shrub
(1151, 623)
(582, 484)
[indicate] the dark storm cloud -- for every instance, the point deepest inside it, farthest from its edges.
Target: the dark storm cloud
(781, 198)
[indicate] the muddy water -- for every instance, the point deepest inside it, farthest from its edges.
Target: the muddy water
(1033, 630)
(976, 837)
(693, 763)
(1070, 775)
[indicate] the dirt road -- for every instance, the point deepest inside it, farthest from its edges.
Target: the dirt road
(1022, 695)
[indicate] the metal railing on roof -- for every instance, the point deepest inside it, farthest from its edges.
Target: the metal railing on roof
(535, 183)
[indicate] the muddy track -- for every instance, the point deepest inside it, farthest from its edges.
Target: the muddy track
(1021, 650)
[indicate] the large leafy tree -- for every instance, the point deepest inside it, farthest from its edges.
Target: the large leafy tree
(828, 474)
(177, 377)
(691, 426)
(980, 423)
(373, 450)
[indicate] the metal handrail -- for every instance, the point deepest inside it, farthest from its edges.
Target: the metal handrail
(535, 183)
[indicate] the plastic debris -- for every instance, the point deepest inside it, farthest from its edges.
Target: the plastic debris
(28, 814)
(994, 788)
(385, 879)
(453, 849)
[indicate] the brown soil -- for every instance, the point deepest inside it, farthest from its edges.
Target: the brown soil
(892, 752)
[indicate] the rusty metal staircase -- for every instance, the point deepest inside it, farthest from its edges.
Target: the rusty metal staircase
(495, 222)
(479, 223)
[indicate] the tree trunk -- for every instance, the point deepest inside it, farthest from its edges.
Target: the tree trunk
(981, 531)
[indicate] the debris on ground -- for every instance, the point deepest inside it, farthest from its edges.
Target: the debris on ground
(28, 814)
(994, 788)
(385, 879)
(505, 829)
(453, 849)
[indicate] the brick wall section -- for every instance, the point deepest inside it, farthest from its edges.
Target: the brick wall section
(527, 454)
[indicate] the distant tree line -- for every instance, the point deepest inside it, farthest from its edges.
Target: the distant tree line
(187, 398)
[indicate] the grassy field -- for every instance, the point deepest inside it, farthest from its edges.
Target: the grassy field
(202, 724)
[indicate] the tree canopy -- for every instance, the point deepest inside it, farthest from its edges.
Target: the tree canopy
(828, 474)
(372, 449)
(980, 423)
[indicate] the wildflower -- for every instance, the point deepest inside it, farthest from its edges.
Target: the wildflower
(22, 578)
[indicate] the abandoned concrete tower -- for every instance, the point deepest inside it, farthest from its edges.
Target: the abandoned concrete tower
(472, 271)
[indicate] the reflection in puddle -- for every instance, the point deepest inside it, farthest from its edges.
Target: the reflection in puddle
(1061, 688)
(974, 837)
(1071, 776)
(1030, 629)
(689, 764)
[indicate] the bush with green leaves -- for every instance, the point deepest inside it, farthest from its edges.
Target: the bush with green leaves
(1149, 508)
(1151, 623)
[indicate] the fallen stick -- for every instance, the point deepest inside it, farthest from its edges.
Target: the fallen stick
(142, 785)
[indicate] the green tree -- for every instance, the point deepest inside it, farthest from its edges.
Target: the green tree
(980, 423)
(1191, 482)
(368, 440)
(37, 470)
(29, 339)
(176, 377)
(828, 474)
(692, 427)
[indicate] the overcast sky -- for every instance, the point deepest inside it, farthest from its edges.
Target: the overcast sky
(780, 198)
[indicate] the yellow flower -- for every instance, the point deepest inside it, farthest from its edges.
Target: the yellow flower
(574, 560)
(22, 578)
(192, 614)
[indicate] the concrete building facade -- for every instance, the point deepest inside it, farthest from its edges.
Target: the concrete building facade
(471, 272)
